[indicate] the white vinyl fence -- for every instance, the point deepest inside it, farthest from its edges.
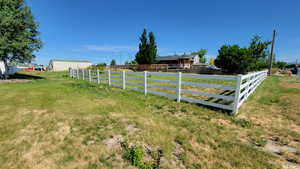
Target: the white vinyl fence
(219, 91)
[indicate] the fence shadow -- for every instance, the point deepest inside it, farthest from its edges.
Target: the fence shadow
(25, 76)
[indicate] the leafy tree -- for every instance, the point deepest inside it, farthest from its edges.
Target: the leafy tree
(258, 48)
(280, 64)
(113, 62)
(19, 36)
(147, 49)
(235, 59)
(201, 53)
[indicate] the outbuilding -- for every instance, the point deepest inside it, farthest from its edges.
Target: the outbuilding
(63, 65)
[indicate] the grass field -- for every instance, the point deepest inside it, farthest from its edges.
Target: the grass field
(53, 121)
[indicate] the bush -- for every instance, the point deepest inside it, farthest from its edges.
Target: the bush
(135, 155)
(234, 59)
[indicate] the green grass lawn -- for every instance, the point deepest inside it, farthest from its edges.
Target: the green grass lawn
(57, 122)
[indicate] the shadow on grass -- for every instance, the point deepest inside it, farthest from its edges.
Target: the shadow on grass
(24, 76)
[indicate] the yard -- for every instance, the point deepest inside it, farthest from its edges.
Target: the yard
(53, 121)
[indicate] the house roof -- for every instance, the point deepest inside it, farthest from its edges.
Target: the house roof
(63, 60)
(175, 57)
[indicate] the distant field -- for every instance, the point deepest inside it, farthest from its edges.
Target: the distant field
(53, 121)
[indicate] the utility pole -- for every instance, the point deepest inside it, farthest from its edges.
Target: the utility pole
(272, 52)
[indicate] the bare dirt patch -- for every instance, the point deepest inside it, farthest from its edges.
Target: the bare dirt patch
(113, 142)
(131, 129)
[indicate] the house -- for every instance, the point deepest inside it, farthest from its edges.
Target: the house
(179, 61)
(63, 65)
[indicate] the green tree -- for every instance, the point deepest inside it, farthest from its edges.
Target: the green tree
(19, 36)
(280, 64)
(113, 62)
(235, 59)
(141, 55)
(201, 53)
(147, 49)
(152, 49)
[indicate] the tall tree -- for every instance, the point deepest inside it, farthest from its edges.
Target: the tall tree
(113, 62)
(152, 49)
(19, 36)
(147, 49)
(201, 53)
(141, 55)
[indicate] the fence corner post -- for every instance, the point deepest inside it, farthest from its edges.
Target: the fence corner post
(90, 75)
(145, 82)
(123, 79)
(237, 95)
(109, 80)
(179, 87)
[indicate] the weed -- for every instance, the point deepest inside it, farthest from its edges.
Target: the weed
(261, 142)
(135, 154)
(242, 122)
(180, 140)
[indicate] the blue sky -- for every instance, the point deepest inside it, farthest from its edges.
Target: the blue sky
(101, 30)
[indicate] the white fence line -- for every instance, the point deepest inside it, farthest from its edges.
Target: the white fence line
(243, 85)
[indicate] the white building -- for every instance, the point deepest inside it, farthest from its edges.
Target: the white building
(63, 65)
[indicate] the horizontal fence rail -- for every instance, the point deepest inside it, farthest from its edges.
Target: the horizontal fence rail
(219, 91)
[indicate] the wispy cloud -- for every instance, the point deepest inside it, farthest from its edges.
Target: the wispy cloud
(106, 48)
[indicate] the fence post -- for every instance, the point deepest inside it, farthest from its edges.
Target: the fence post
(247, 87)
(83, 74)
(237, 94)
(179, 87)
(90, 76)
(109, 80)
(124, 79)
(77, 73)
(70, 72)
(98, 76)
(145, 82)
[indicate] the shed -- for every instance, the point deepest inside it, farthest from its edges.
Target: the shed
(63, 65)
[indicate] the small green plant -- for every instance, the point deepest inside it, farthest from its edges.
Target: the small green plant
(180, 140)
(243, 122)
(261, 142)
(135, 155)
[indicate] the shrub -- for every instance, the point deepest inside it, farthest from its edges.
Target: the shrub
(234, 59)
(135, 155)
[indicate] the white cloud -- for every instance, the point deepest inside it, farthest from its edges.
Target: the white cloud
(105, 48)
